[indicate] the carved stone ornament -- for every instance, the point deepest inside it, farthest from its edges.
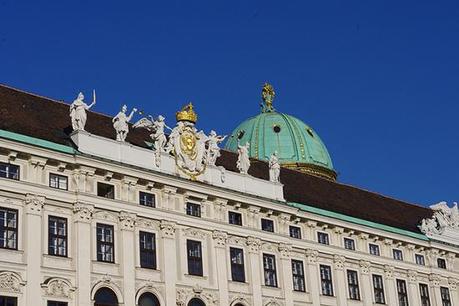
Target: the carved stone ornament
(339, 261)
(254, 244)
(272, 302)
(285, 250)
(194, 233)
(364, 266)
(34, 203)
(412, 276)
(452, 282)
(11, 282)
(83, 211)
(220, 238)
(167, 229)
(58, 287)
(444, 223)
(127, 220)
(312, 256)
(186, 294)
(389, 271)
(434, 280)
(239, 299)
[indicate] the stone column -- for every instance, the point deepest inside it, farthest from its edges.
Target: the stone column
(363, 243)
(452, 284)
(82, 254)
(310, 230)
(168, 195)
(435, 289)
(366, 281)
(254, 245)
(390, 285)
(340, 276)
(313, 278)
(336, 239)
(284, 220)
(220, 239)
(413, 289)
(169, 268)
(252, 216)
(86, 178)
(33, 246)
(286, 268)
(127, 261)
(127, 188)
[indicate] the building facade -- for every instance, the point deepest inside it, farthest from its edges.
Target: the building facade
(89, 220)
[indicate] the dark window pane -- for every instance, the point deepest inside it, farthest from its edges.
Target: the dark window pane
(105, 190)
(269, 266)
(147, 199)
(8, 228)
(378, 288)
(445, 297)
(8, 301)
(58, 181)
(402, 293)
(193, 209)
(267, 225)
(234, 218)
(196, 302)
(374, 249)
(441, 263)
(194, 252)
(147, 250)
(54, 303)
(353, 285)
(420, 259)
(349, 244)
(148, 299)
(323, 238)
(237, 265)
(424, 292)
(298, 276)
(57, 236)
(326, 280)
(398, 255)
(9, 171)
(105, 297)
(105, 243)
(295, 232)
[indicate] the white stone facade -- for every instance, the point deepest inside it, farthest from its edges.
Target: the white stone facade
(34, 277)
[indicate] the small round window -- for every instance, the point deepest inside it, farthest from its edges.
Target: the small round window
(240, 134)
(310, 132)
(276, 129)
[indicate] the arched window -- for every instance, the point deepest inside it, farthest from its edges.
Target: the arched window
(148, 299)
(105, 297)
(196, 302)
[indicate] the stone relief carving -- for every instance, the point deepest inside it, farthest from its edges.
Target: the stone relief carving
(237, 240)
(339, 261)
(312, 256)
(78, 110)
(254, 244)
(58, 287)
(220, 238)
(105, 215)
(452, 282)
(213, 151)
(434, 280)
(11, 282)
(285, 250)
(83, 211)
(365, 266)
(194, 232)
(238, 298)
(127, 220)
(34, 203)
(272, 302)
(147, 223)
(389, 271)
(186, 294)
(120, 123)
(444, 223)
(167, 228)
(412, 276)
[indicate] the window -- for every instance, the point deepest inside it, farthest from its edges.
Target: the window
(194, 257)
(148, 299)
(424, 292)
(398, 255)
(378, 289)
(58, 181)
(147, 250)
(237, 265)
(374, 249)
(57, 236)
(147, 199)
(353, 285)
(193, 209)
(9, 171)
(269, 266)
(295, 232)
(322, 238)
(8, 301)
(445, 298)
(349, 244)
(267, 225)
(441, 263)
(419, 259)
(402, 293)
(105, 297)
(326, 280)
(8, 228)
(196, 302)
(55, 303)
(105, 243)
(234, 218)
(105, 190)
(298, 276)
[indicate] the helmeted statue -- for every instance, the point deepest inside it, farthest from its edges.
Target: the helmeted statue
(120, 123)
(274, 168)
(243, 161)
(213, 150)
(78, 111)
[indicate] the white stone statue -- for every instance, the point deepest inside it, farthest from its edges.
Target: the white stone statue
(243, 161)
(78, 111)
(274, 168)
(156, 127)
(213, 150)
(120, 123)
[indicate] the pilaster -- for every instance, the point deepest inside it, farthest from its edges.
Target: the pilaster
(367, 290)
(434, 280)
(413, 289)
(341, 293)
(127, 236)
(220, 238)
(313, 278)
(286, 266)
(169, 266)
(390, 285)
(254, 246)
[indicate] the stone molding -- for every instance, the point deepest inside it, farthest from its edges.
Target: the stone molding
(434, 280)
(254, 244)
(127, 220)
(34, 203)
(220, 238)
(312, 256)
(285, 250)
(11, 282)
(184, 295)
(58, 287)
(339, 261)
(365, 266)
(167, 229)
(83, 212)
(412, 276)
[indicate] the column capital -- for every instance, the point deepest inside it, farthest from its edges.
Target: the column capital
(339, 261)
(285, 250)
(364, 266)
(83, 212)
(434, 280)
(127, 220)
(452, 282)
(34, 203)
(220, 238)
(254, 244)
(389, 271)
(312, 256)
(412, 276)
(168, 229)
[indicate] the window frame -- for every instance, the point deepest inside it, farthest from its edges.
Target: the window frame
(234, 213)
(298, 277)
(237, 269)
(424, 298)
(326, 237)
(353, 295)
(374, 246)
(443, 263)
(59, 176)
(143, 251)
(146, 204)
(422, 261)
(265, 222)
(298, 231)
(8, 297)
(378, 292)
(400, 293)
(193, 209)
(10, 229)
(100, 184)
(7, 172)
(58, 236)
(194, 263)
(56, 303)
(326, 281)
(100, 243)
(397, 251)
(345, 245)
(270, 271)
(445, 301)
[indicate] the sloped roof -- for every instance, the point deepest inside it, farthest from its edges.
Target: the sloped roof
(44, 118)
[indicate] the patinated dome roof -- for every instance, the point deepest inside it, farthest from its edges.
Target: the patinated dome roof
(298, 146)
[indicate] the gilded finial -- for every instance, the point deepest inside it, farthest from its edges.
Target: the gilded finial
(267, 94)
(187, 114)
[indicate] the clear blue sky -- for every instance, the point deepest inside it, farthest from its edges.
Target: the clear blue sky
(378, 80)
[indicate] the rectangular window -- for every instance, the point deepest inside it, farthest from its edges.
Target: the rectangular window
(8, 228)
(349, 244)
(323, 238)
(267, 225)
(402, 293)
(326, 280)
(194, 251)
(147, 250)
(105, 190)
(398, 255)
(8, 301)
(378, 289)
(269, 266)
(353, 285)
(445, 298)
(193, 209)
(105, 243)
(9, 171)
(234, 218)
(58, 181)
(295, 232)
(424, 292)
(374, 249)
(420, 259)
(55, 303)
(441, 263)
(237, 265)
(147, 199)
(298, 276)
(57, 236)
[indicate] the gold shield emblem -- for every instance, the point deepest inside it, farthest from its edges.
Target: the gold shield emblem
(188, 144)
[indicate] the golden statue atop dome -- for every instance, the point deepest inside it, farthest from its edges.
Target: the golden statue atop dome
(187, 114)
(267, 94)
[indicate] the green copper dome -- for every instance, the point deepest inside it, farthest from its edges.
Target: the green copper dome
(298, 146)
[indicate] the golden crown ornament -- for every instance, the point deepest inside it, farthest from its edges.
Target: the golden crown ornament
(187, 114)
